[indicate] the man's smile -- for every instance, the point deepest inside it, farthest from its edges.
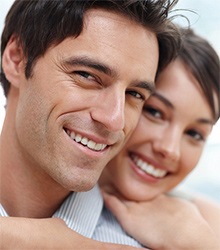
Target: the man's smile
(86, 141)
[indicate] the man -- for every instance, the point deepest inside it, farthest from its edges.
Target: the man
(75, 74)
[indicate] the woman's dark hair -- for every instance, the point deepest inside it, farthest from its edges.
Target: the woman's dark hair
(39, 24)
(203, 62)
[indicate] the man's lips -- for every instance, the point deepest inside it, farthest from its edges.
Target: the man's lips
(95, 146)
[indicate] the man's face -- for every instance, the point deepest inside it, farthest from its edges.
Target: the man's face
(84, 99)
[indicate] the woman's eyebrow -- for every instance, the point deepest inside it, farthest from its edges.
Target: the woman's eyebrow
(205, 121)
(163, 99)
(170, 105)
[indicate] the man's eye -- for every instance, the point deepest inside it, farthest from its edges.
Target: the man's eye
(152, 112)
(84, 74)
(196, 135)
(136, 94)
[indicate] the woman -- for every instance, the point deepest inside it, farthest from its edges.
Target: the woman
(168, 142)
(166, 146)
(174, 126)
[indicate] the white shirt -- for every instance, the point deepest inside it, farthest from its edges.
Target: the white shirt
(84, 213)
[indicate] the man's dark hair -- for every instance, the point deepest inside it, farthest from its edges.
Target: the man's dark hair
(39, 24)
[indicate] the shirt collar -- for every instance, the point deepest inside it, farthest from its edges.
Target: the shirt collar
(81, 211)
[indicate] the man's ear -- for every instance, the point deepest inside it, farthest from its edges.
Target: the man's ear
(13, 62)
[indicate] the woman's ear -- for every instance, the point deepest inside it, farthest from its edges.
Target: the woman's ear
(13, 62)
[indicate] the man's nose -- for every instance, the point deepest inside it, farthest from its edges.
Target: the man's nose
(110, 110)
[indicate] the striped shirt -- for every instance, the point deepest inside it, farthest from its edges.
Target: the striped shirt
(85, 213)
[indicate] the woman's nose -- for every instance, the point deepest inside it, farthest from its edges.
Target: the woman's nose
(168, 144)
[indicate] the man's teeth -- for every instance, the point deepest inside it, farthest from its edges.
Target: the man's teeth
(86, 142)
(149, 169)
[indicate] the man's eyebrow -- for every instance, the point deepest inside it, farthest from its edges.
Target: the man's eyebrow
(163, 99)
(103, 68)
(149, 86)
(90, 63)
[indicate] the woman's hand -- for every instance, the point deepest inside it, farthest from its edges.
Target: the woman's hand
(163, 223)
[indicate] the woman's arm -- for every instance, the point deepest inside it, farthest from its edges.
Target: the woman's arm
(164, 223)
(22, 233)
(210, 211)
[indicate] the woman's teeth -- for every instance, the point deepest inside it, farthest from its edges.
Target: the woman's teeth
(148, 168)
(86, 142)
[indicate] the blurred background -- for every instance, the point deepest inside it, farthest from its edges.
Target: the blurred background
(204, 18)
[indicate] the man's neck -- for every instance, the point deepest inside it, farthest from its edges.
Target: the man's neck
(24, 192)
(25, 199)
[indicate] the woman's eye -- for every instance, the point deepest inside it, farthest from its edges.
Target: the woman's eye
(152, 111)
(196, 135)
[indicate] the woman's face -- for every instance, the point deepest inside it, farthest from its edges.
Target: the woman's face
(168, 140)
